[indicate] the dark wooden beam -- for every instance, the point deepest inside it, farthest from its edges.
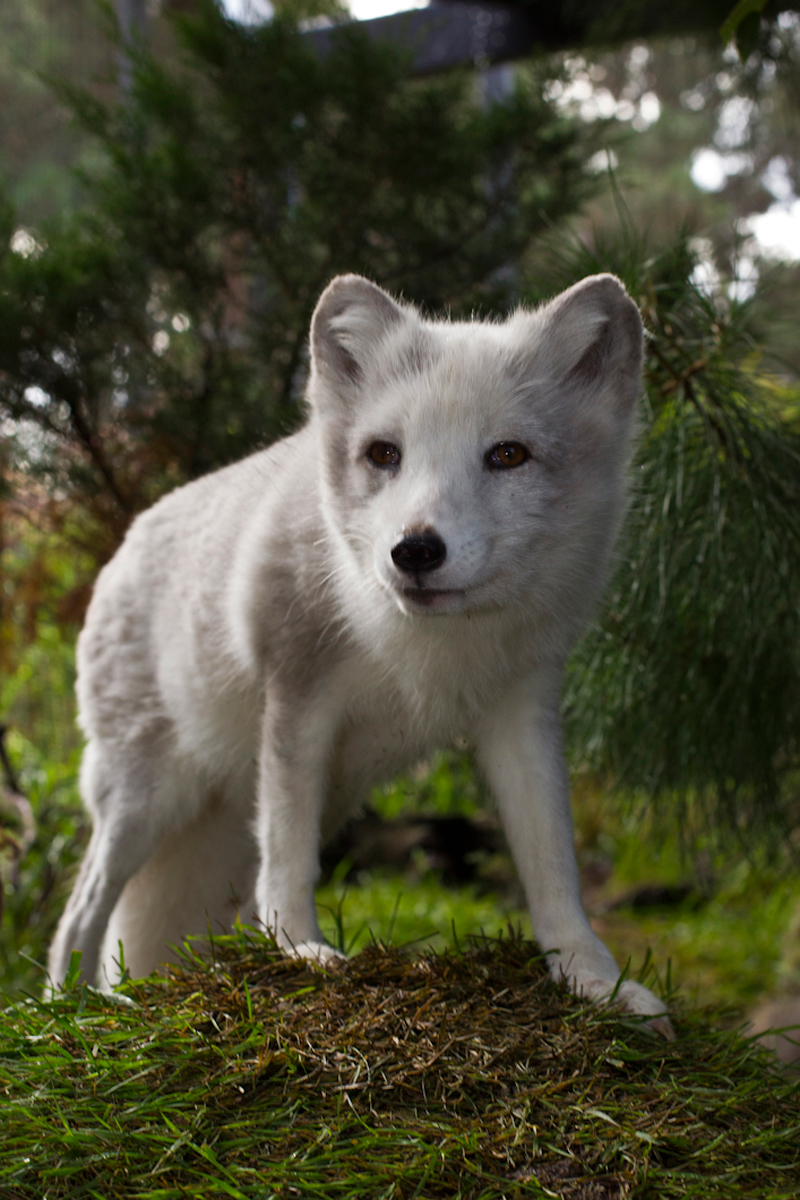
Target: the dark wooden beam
(451, 33)
(446, 35)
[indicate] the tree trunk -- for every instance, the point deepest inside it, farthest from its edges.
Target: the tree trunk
(134, 30)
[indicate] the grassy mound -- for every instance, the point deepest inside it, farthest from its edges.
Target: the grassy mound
(458, 1075)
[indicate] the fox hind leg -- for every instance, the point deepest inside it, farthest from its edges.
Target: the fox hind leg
(120, 791)
(198, 880)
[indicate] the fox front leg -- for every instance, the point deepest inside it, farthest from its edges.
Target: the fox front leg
(520, 751)
(297, 740)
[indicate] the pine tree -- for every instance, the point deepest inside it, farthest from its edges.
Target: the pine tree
(163, 331)
(687, 688)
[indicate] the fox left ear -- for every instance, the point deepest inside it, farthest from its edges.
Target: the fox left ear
(591, 338)
(350, 321)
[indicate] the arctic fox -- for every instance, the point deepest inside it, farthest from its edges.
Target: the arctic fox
(411, 567)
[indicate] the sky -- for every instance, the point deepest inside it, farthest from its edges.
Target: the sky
(777, 231)
(363, 10)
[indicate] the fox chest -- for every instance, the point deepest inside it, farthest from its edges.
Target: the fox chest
(372, 750)
(386, 731)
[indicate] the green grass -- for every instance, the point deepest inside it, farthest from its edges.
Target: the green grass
(728, 950)
(400, 911)
(465, 1074)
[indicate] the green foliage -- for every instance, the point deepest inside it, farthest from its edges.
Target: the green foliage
(165, 327)
(446, 786)
(739, 14)
(463, 1075)
(32, 893)
(416, 911)
(41, 576)
(45, 574)
(38, 145)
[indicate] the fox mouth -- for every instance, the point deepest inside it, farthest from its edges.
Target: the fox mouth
(430, 597)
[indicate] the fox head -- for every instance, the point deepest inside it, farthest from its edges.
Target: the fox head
(470, 466)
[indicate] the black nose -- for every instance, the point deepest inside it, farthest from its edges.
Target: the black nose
(419, 552)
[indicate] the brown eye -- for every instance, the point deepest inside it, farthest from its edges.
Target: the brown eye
(383, 454)
(507, 454)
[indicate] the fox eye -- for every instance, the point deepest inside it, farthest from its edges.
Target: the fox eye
(506, 454)
(383, 454)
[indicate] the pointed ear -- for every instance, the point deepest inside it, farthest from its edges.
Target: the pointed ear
(350, 321)
(591, 338)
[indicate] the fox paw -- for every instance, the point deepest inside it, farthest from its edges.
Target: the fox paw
(633, 998)
(319, 952)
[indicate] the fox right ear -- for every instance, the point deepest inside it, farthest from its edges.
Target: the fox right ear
(350, 321)
(591, 336)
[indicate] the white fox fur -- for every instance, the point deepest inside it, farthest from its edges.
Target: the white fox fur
(255, 658)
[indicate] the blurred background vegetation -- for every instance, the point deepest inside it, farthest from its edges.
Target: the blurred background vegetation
(162, 246)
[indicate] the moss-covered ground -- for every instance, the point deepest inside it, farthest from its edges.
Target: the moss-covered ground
(461, 1074)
